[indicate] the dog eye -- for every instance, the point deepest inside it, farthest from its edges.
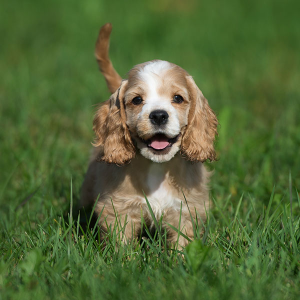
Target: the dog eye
(177, 99)
(137, 100)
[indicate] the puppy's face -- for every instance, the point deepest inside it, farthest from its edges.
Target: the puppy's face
(159, 110)
(157, 104)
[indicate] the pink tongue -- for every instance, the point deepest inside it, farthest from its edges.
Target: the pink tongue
(159, 142)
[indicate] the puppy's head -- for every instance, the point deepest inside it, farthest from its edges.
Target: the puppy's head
(158, 110)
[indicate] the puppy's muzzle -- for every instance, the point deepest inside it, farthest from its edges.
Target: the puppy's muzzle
(159, 117)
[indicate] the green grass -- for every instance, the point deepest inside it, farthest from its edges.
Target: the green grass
(245, 58)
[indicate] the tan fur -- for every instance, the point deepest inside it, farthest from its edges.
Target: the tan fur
(198, 140)
(119, 191)
(112, 78)
(112, 135)
(122, 178)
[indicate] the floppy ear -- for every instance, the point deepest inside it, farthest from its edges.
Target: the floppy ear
(112, 134)
(198, 140)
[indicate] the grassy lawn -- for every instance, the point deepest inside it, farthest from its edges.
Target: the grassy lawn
(244, 55)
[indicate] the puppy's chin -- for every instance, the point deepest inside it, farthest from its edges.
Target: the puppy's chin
(158, 156)
(161, 156)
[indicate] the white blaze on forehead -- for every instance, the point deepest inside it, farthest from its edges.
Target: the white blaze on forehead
(156, 67)
(152, 74)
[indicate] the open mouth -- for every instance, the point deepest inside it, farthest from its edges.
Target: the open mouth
(160, 142)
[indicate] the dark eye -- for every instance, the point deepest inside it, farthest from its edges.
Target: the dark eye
(137, 100)
(177, 99)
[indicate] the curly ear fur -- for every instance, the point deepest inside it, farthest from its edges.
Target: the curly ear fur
(198, 140)
(112, 135)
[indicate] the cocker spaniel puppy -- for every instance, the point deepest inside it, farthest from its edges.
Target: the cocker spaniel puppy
(152, 137)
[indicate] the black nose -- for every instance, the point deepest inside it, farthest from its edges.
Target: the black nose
(159, 117)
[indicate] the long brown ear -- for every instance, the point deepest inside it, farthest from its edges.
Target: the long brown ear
(113, 79)
(112, 134)
(198, 140)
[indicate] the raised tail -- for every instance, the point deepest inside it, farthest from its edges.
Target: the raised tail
(113, 79)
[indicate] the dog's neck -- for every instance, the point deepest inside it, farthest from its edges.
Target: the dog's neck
(178, 172)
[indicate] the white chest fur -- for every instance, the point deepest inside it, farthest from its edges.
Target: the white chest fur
(160, 194)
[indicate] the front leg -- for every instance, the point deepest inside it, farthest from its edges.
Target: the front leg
(117, 216)
(175, 239)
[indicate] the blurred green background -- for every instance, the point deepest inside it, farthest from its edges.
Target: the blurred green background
(243, 55)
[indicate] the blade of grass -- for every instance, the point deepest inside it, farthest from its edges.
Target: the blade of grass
(226, 221)
(268, 208)
(70, 219)
(152, 215)
(179, 232)
(290, 192)
(192, 219)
